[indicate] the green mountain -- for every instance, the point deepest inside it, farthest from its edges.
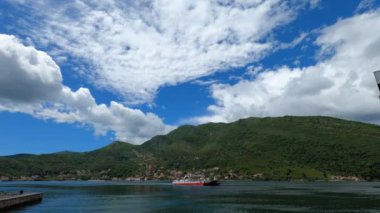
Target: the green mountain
(255, 148)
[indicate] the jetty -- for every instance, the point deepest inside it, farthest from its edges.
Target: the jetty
(9, 201)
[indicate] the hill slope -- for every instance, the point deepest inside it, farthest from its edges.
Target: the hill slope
(270, 148)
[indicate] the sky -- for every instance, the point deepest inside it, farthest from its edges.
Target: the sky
(76, 75)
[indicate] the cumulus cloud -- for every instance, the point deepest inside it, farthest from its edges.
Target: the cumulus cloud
(26, 74)
(135, 47)
(341, 84)
(31, 83)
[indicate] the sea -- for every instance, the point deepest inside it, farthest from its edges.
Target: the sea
(230, 196)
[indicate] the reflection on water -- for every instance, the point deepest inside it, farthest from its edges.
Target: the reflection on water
(82, 196)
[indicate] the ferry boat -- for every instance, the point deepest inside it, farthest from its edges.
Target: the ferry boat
(191, 181)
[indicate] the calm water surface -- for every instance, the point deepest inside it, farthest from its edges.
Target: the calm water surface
(84, 196)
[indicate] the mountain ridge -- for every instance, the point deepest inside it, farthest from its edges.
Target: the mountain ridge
(282, 148)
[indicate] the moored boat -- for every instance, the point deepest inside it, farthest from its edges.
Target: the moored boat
(190, 181)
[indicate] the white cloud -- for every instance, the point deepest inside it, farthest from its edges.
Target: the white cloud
(365, 5)
(136, 47)
(341, 84)
(314, 3)
(31, 83)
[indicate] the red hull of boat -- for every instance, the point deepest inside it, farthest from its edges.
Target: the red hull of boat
(190, 184)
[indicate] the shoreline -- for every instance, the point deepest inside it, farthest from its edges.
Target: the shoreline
(169, 180)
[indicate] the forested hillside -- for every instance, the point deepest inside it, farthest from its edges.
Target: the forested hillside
(284, 148)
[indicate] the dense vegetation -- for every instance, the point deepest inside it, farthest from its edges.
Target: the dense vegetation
(307, 148)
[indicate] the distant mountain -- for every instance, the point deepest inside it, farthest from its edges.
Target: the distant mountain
(283, 148)
(20, 155)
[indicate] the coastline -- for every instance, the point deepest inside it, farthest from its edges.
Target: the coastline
(170, 180)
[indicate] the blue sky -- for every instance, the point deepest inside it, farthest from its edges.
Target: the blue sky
(76, 75)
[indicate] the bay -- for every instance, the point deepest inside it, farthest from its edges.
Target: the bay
(231, 196)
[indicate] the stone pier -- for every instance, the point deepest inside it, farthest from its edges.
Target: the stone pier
(16, 200)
